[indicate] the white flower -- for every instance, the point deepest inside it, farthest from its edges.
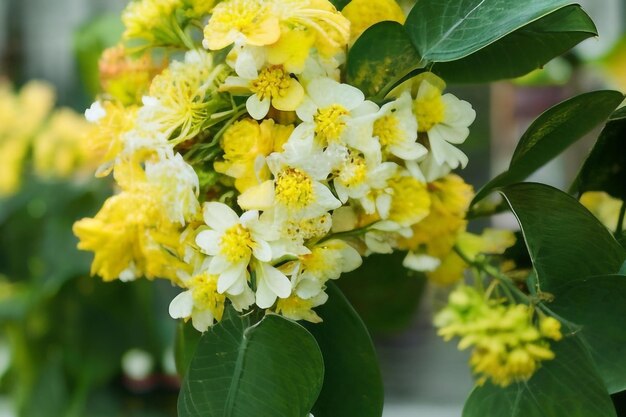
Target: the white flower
(233, 241)
(357, 178)
(421, 262)
(446, 120)
(327, 260)
(396, 129)
(179, 184)
(272, 86)
(338, 115)
(296, 192)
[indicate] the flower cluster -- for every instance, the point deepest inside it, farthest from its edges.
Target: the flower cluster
(509, 342)
(249, 174)
(54, 142)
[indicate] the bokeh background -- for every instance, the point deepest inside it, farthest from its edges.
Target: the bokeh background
(73, 346)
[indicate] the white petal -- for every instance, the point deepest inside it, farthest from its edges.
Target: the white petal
(245, 66)
(326, 92)
(182, 305)
(276, 281)
(306, 110)
(258, 109)
(242, 301)
(383, 205)
(308, 288)
(351, 258)
(218, 265)
(265, 297)
(415, 171)
(260, 197)
(262, 251)
(325, 197)
(420, 262)
(202, 320)
(228, 279)
(209, 242)
(249, 217)
(219, 216)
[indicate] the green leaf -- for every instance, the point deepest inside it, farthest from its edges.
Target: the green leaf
(522, 51)
(340, 4)
(567, 386)
(605, 168)
(552, 132)
(565, 241)
(595, 304)
(187, 339)
(381, 278)
(444, 30)
(380, 58)
(352, 383)
(240, 369)
(90, 41)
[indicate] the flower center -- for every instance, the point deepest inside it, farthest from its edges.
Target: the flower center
(429, 111)
(329, 123)
(294, 189)
(238, 15)
(205, 295)
(236, 244)
(388, 130)
(354, 172)
(272, 82)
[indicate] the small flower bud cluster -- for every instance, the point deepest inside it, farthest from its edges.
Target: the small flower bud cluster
(508, 341)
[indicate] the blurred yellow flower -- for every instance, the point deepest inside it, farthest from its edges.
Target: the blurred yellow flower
(365, 13)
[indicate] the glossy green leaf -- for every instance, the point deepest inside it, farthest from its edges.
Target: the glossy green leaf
(381, 278)
(552, 132)
(522, 51)
(605, 168)
(241, 369)
(565, 241)
(444, 30)
(186, 342)
(352, 383)
(594, 304)
(567, 386)
(379, 59)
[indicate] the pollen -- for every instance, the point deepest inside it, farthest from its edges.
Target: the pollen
(236, 244)
(272, 82)
(354, 172)
(429, 111)
(329, 123)
(294, 189)
(388, 130)
(205, 295)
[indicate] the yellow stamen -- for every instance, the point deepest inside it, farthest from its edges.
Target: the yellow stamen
(429, 110)
(329, 123)
(294, 189)
(272, 82)
(388, 130)
(236, 244)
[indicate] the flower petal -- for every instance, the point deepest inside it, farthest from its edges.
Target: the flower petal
(219, 216)
(276, 281)
(262, 251)
(228, 279)
(202, 320)
(257, 108)
(292, 98)
(209, 242)
(182, 305)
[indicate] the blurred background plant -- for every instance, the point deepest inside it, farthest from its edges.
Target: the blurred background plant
(74, 343)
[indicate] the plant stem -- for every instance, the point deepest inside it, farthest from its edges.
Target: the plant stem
(620, 220)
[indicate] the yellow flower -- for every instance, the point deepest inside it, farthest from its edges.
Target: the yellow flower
(245, 21)
(273, 86)
(152, 21)
(131, 237)
(365, 13)
(410, 201)
(603, 206)
(21, 116)
(111, 121)
(297, 308)
(508, 345)
(62, 147)
(183, 97)
(331, 29)
(245, 144)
